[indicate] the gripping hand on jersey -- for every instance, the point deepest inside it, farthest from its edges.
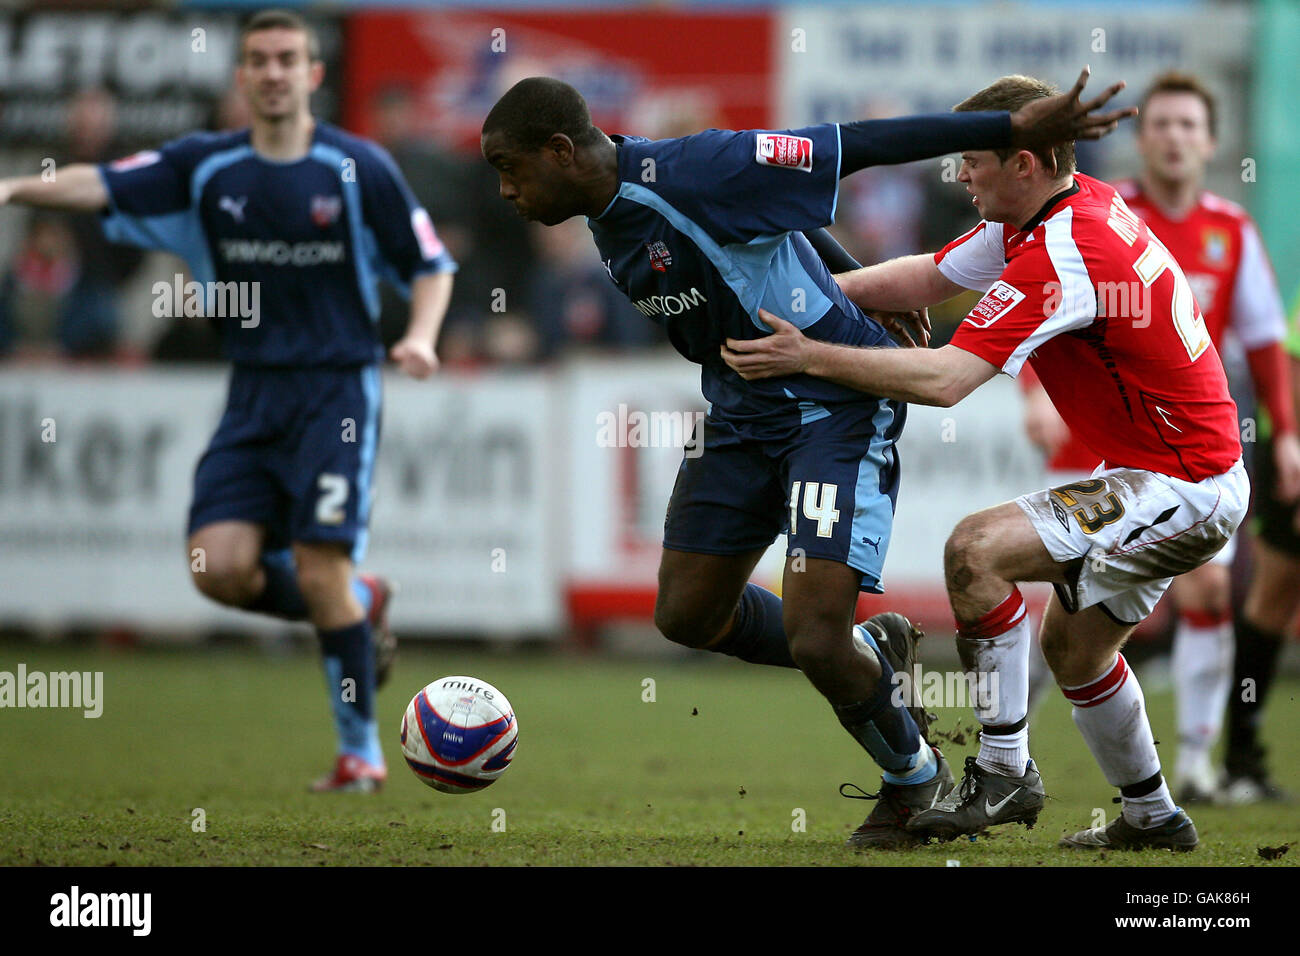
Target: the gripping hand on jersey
(910, 329)
(1057, 119)
(785, 352)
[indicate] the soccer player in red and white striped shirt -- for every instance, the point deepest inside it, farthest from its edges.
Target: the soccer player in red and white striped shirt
(1218, 247)
(1077, 285)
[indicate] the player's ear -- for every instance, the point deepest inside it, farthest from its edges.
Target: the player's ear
(316, 74)
(1026, 161)
(561, 147)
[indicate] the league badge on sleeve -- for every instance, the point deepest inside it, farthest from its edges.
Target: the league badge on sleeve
(789, 152)
(1001, 297)
(135, 161)
(430, 245)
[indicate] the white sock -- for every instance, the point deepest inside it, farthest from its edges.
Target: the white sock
(1041, 681)
(1111, 714)
(995, 651)
(1202, 670)
(1006, 754)
(1151, 810)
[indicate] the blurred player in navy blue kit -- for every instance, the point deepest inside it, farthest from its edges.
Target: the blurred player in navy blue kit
(700, 232)
(302, 219)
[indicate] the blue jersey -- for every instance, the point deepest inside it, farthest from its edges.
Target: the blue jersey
(705, 229)
(315, 234)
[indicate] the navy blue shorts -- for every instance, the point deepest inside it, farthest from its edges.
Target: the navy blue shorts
(295, 453)
(830, 484)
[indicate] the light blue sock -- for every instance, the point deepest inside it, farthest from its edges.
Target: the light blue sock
(348, 657)
(363, 594)
(886, 730)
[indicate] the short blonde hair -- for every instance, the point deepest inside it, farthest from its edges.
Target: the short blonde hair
(1010, 93)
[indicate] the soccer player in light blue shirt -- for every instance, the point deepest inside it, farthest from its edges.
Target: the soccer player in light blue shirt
(700, 232)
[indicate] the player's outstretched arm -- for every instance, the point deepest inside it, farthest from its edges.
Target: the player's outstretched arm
(898, 285)
(1044, 122)
(940, 377)
(415, 351)
(1057, 119)
(77, 188)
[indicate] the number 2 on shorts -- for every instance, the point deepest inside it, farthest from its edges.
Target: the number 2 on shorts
(333, 496)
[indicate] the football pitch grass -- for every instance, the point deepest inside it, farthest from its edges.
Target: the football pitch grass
(203, 757)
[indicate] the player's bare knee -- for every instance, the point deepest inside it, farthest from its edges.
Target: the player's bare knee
(320, 586)
(673, 625)
(227, 581)
(812, 653)
(1054, 648)
(1207, 590)
(1218, 596)
(821, 647)
(689, 626)
(963, 552)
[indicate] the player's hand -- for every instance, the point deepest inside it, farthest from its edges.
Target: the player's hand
(784, 352)
(1286, 457)
(909, 329)
(415, 356)
(1043, 423)
(1057, 119)
(6, 192)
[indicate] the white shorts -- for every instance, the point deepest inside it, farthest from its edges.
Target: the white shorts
(1227, 554)
(1223, 558)
(1134, 531)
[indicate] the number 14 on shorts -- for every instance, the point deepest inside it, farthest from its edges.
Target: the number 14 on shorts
(818, 505)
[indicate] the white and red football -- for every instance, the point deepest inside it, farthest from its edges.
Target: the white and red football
(459, 734)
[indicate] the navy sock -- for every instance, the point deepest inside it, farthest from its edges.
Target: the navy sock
(885, 729)
(281, 597)
(350, 676)
(757, 634)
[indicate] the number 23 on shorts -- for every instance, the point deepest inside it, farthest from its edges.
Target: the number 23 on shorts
(1095, 516)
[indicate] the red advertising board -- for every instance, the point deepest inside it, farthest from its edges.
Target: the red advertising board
(651, 72)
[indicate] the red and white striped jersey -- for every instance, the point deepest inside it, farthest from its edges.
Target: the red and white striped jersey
(1105, 315)
(1220, 251)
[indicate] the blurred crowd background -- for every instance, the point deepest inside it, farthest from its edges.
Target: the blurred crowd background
(501, 451)
(524, 294)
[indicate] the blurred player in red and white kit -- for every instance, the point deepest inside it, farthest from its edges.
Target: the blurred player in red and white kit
(1219, 249)
(1076, 284)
